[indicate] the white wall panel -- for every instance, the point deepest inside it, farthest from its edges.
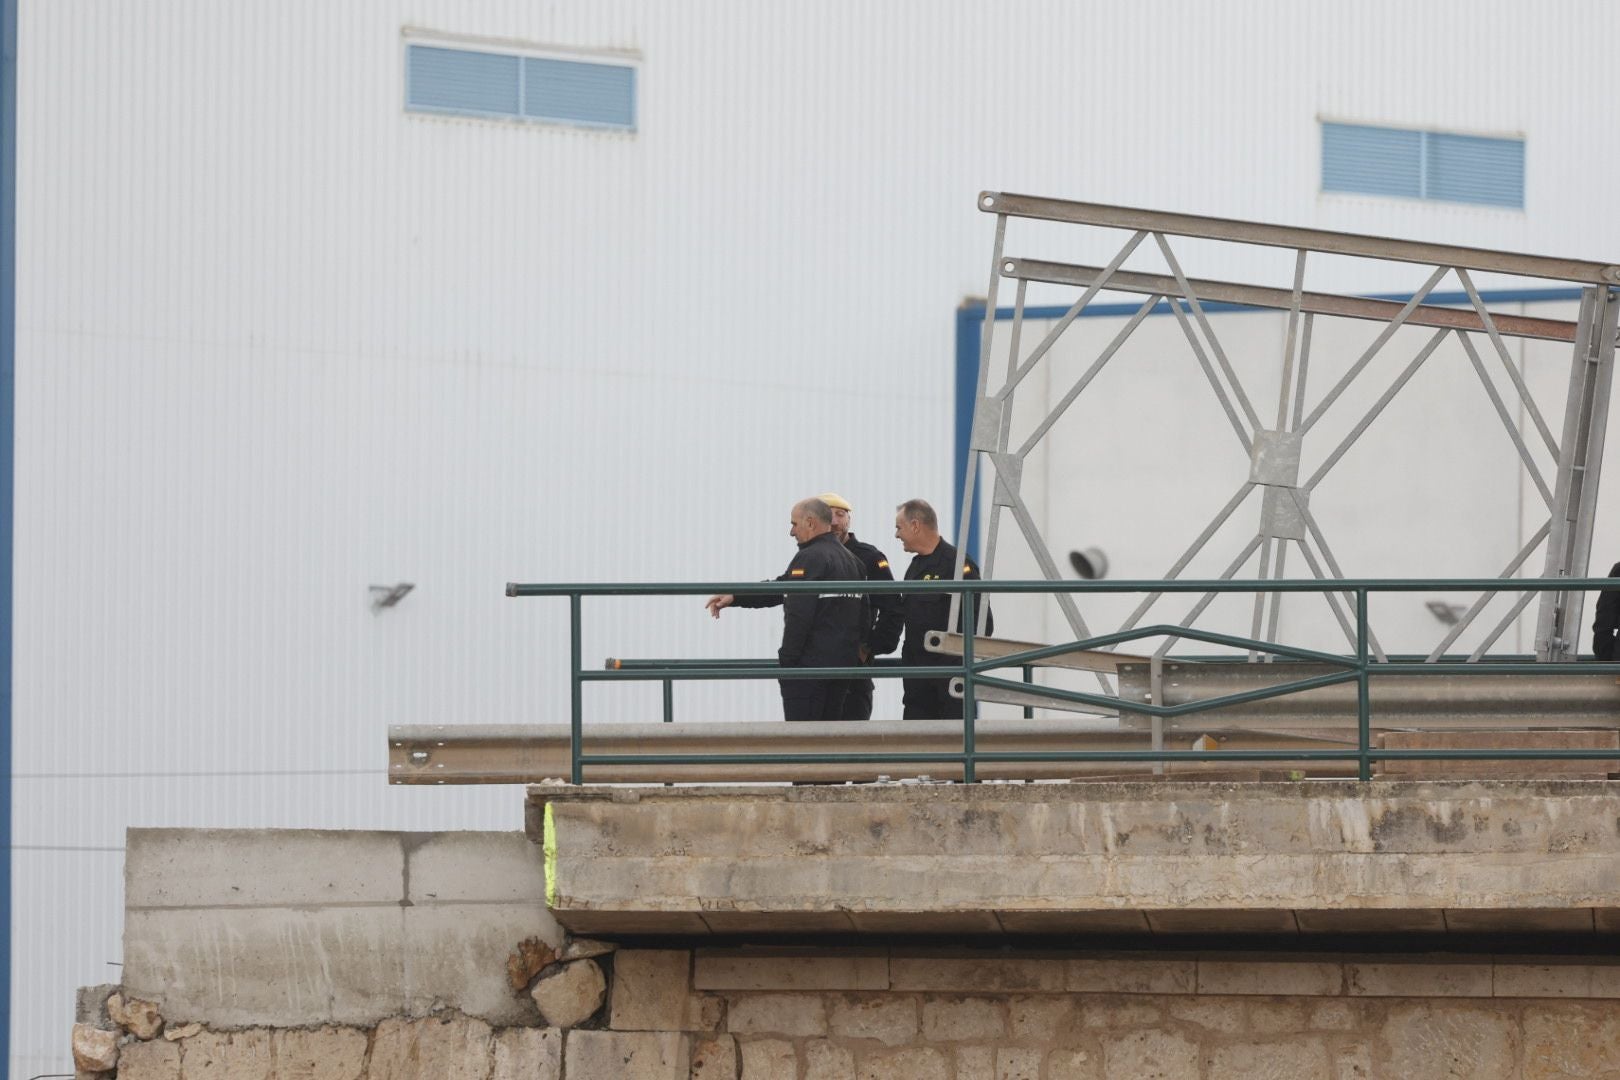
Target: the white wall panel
(280, 340)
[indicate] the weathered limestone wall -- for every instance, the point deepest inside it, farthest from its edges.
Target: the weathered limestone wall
(731, 1014)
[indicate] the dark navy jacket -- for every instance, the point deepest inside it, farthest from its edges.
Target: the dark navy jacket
(925, 613)
(818, 629)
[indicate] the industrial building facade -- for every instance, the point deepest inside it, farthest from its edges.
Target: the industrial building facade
(317, 301)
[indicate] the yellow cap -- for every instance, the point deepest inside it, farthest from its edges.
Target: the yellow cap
(834, 500)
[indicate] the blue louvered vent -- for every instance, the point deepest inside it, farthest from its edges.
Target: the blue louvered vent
(579, 93)
(1423, 165)
(1372, 161)
(459, 80)
(473, 83)
(1467, 168)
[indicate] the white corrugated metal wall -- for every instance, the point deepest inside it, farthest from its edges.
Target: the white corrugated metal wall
(279, 340)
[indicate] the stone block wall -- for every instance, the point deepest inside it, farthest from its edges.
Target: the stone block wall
(877, 1014)
(236, 928)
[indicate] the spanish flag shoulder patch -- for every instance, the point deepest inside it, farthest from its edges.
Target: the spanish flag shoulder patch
(797, 571)
(883, 564)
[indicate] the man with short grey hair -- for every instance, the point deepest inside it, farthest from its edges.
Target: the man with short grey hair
(916, 526)
(818, 629)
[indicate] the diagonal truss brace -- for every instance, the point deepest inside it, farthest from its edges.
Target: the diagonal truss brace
(1580, 460)
(1285, 510)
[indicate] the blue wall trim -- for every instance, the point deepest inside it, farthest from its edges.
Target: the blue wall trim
(970, 333)
(8, 382)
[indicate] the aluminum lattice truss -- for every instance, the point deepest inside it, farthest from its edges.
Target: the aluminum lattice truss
(1274, 451)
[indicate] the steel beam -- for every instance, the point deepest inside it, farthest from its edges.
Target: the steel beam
(1228, 292)
(1422, 702)
(1033, 698)
(1008, 204)
(988, 648)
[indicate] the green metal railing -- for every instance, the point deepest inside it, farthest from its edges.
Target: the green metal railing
(1359, 667)
(655, 667)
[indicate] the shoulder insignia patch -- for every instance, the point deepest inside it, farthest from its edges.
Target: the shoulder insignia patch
(883, 564)
(797, 571)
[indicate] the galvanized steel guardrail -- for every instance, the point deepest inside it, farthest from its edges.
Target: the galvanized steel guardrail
(1359, 667)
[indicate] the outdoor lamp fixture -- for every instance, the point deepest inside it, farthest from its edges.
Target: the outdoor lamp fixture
(1090, 564)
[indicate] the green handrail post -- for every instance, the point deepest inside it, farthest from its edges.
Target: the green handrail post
(1363, 689)
(968, 701)
(576, 686)
(1029, 677)
(669, 701)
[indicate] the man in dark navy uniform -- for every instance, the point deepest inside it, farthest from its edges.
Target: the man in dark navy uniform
(818, 629)
(916, 526)
(882, 633)
(1607, 622)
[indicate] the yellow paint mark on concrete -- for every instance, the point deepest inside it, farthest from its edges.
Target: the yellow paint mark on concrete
(549, 841)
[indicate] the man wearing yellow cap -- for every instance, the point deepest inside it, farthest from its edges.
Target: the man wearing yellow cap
(882, 634)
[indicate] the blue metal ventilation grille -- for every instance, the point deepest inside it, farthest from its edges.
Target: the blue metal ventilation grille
(473, 83)
(579, 93)
(1469, 169)
(1423, 165)
(458, 80)
(1372, 160)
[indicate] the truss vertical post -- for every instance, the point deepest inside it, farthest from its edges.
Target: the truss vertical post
(985, 422)
(1580, 460)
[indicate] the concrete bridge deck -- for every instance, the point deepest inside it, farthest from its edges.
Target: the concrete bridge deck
(1165, 858)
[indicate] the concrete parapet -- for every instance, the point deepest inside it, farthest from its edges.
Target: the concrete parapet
(236, 928)
(1147, 858)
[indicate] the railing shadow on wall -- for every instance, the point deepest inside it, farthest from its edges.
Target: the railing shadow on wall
(981, 675)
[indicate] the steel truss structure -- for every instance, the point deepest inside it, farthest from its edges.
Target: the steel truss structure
(1274, 450)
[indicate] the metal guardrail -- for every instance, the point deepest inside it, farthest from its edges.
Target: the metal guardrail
(662, 669)
(1359, 668)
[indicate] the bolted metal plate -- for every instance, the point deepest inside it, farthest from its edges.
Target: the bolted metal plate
(1009, 475)
(1280, 516)
(986, 425)
(1275, 458)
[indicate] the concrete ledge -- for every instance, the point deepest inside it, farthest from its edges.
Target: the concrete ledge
(210, 868)
(796, 974)
(1157, 858)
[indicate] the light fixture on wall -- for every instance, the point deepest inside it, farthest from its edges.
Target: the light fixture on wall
(386, 596)
(1090, 564)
